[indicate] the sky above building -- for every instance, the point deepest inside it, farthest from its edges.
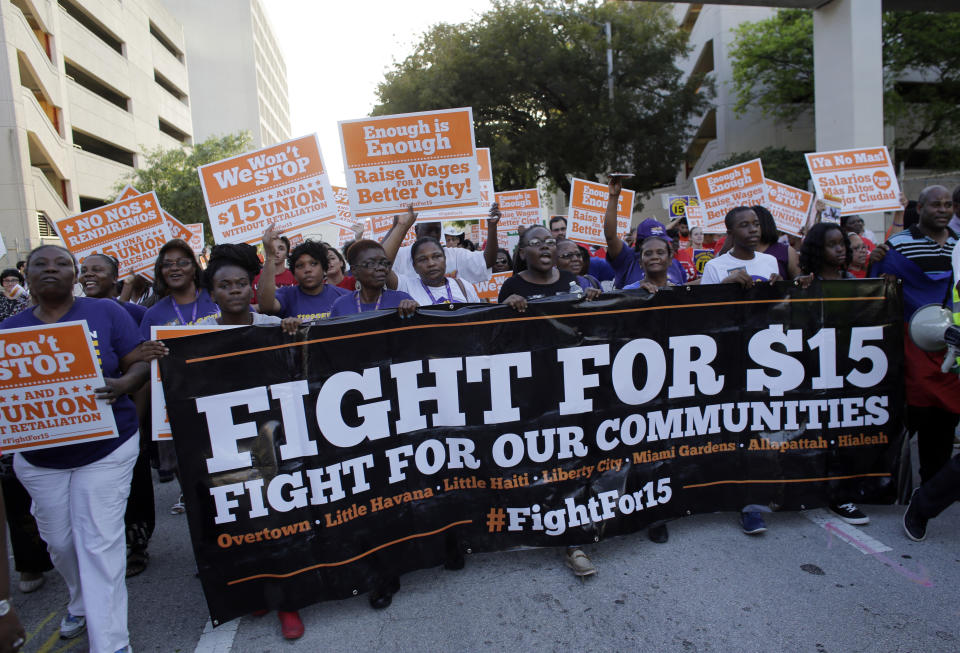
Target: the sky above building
(337, 52)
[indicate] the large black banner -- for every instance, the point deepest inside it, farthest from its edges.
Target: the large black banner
(315, 466)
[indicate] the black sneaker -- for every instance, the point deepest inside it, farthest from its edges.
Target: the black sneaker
(914, 525)
(849, 513)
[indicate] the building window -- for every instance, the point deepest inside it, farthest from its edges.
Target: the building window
(95, 86)
(91, 24)
(165, 42)
(90, 203)
(169, 86)
(94, 145)
(173, 132)
(45, 226)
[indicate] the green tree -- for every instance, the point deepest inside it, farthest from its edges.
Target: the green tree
(173, 174)
(773, 70)
(535, 74)
(779, 163)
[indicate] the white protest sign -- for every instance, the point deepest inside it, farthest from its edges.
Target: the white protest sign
(284, 184)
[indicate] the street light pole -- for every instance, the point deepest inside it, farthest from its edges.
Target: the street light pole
(609, 59)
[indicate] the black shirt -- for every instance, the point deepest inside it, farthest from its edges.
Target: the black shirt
(516, 285)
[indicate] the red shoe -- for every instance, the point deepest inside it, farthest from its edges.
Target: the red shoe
(290, 625)
(258, 613)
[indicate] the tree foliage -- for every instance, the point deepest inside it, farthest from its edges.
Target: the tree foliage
(773, 70)
(173, 174)
(779, 163)
(535, 74)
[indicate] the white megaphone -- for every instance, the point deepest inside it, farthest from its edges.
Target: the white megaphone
(932, 329)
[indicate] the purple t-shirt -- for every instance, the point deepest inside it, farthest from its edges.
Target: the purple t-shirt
(296, 303)
(163, 312)
(114, 336)
(627, 268)
(136, 311)
(347, 304)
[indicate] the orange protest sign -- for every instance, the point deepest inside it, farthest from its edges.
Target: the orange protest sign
(721, 190)
(132, 230)
(481, 209)
(48, 375)
(158, 406)
(490, 289)
(284, 184)
(588, 204)
(517, 207)
(426, 159)
(485, 173)
(190, 234)
(790, 206)
(695, 216)
(127, 192)
(863, 178)
(344, 217)
(196, 236)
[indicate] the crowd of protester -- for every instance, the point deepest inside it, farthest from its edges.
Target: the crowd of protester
(93, 511)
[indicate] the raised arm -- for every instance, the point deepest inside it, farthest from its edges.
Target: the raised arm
(391, 242)
(614, 244)
(267, 286)
(490, 251)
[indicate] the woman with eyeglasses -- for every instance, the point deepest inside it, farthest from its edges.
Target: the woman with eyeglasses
(535, 272)
(14, 297)
(858, 261)
(370, 265)
(311, 299)
(177, 281)
(536, 275)
(503, 262)
(570, 258)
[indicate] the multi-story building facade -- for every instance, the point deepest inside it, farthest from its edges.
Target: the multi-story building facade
(233, 53)
(720, 132)
(86, 86)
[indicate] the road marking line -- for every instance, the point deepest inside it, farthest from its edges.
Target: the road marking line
(219, 640)
(849, 533)
(50, 643)
(867, 545)
(36, 631)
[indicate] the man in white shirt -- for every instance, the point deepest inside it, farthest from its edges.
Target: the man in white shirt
(742, 264)
(462, 263)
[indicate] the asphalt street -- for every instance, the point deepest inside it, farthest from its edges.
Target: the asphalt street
(809, 584)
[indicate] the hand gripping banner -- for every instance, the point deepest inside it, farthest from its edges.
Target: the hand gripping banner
(316, 466)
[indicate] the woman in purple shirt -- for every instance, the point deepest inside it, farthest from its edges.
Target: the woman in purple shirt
(370, 266)
(80, 491)
(310, 299)
(177, 281)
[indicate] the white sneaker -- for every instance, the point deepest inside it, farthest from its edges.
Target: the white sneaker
(71, 626)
